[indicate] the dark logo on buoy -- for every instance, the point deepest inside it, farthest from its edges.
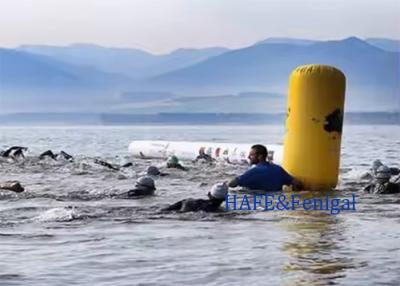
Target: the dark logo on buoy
(334, 121)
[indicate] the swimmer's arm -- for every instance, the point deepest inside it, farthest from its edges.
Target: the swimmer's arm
(243, 180)
(126, 165)
(135, 192)
(106, 164)
(174, 207)
(180, 167)
(368, 188)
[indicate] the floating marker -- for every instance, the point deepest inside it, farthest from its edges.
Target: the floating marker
(314, 125)
(229, 152)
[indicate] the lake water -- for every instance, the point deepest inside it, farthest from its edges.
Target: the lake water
(65, 229)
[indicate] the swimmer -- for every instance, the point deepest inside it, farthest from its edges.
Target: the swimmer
(54, 156)
(144, 186)
(173, 162)
(14, 186)
(14, 152)
(154, 171)
(382, 183)
(112, 166)
(203, 157)
(106, 164)
(216, 197)
(370, 176)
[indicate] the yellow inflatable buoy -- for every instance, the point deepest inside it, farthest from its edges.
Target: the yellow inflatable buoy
(314, 125)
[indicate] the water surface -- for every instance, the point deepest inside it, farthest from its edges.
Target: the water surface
(65, 229)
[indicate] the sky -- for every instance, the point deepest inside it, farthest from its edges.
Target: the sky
(160, 26)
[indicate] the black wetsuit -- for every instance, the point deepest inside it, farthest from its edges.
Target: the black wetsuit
(134, 193)
(385, 188)
(126, 165)
(371, 175)
(111, 166)
(176, 166)
(48, 153)
(194, 205)
(14, 186)
(15, 151)
(204, 156)
(140, 192)
(106, 164)
(66, 156)
(19, 153)
(53, 156)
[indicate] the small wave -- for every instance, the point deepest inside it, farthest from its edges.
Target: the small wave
(58, 215)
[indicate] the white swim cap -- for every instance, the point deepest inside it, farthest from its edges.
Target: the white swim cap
(219, 191)
(145, 182)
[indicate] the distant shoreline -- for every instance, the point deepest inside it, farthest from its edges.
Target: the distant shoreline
(75, 118)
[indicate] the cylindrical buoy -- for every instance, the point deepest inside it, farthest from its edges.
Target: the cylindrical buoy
(314, 125)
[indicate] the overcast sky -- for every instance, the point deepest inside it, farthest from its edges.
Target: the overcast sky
(163, 25)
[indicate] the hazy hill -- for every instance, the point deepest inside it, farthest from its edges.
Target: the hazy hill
(385, 44)
(389, 45)
(20, 69)
(33, 82)
(251, 79)
(372, 73)
(134, 63)
(292, 41)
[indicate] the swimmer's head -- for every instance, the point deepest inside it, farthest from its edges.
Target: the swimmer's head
(145, 183)
(218, 191)
(153, 171)
(173, 160)
(383, 174)
(375, 165)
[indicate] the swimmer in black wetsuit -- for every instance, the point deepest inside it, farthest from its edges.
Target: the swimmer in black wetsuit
(106, 164)
(215, 198)
(382, 183)
(154, 171)
(54, 156)
(373, 171)
(144, 186)
(203, 157)
(112, 166)
(14, 186)
(14, 152)
(173, 162)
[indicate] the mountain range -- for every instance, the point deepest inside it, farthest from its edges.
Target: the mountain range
(85, 77)
(136, 64)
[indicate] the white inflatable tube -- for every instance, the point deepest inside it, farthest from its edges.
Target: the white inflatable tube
(229, 152)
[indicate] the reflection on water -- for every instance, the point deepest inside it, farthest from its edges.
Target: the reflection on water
(315, 247)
